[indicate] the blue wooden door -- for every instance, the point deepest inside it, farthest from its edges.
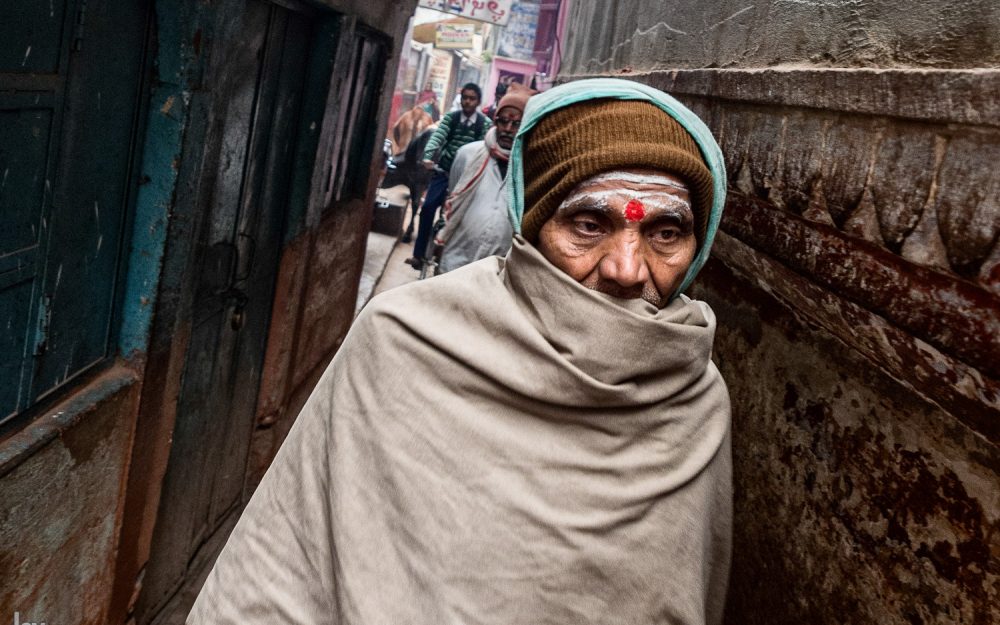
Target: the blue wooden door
(70, 109)
(258, 82)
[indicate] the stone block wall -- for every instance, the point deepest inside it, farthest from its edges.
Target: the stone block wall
(857, 282)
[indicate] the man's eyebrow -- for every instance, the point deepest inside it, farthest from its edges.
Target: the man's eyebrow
(585, 202)
(683, 219)
(671, 205)
(671, 214)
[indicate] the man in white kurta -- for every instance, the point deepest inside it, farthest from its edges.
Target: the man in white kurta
(476, 209)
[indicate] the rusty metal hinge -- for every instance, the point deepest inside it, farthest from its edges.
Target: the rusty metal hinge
(42, 328)
(81, 15)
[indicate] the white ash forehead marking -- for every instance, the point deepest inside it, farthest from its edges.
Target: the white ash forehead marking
(597, 200)
(649, 199)
(627, 176)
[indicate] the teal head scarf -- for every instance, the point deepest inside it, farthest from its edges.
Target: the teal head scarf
(601, 88)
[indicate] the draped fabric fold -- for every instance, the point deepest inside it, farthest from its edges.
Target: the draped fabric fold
(533, 452)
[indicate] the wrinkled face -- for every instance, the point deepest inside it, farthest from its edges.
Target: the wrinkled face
(507, 121)
(627, 233)
(469, 102)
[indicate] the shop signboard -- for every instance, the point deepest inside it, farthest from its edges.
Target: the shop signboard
(439, 77)
(517, 40)
(454, 36)
(491, 11)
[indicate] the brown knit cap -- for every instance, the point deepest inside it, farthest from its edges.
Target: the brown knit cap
(582, 140)
(517, 97)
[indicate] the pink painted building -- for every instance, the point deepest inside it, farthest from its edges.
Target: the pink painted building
(529, 49)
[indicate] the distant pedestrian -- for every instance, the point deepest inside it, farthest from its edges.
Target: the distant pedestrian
(476, 210)
(428, 102)
(409, 125)
(455, 130)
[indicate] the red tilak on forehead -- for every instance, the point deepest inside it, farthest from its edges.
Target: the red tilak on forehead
(634, 210)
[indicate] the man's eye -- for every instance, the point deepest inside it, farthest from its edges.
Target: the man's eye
(588, 226)
(666, 235)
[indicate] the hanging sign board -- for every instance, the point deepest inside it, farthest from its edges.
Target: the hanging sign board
(454, 36)
(439, 76)
(517, 41)
(490, 11)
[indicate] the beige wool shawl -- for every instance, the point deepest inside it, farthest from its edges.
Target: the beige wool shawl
(497, 445)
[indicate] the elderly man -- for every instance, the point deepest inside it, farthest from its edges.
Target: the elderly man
(536, 439)
(476, 211)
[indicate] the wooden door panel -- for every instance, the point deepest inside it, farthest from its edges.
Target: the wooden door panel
(203, 406)
(245, 214)
(25, 136)
(91, 194)
(259, 236)
(69, 115)
(32, 36)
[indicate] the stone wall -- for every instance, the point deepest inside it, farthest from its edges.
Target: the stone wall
(648, 35)
(857, 283)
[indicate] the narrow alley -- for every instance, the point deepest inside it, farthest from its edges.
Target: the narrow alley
(219, 216)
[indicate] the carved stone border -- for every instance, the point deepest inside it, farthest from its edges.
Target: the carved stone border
(955, 316)
(967, 96)
(973, 398)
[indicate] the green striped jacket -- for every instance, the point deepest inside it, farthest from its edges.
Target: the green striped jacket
(450, 135)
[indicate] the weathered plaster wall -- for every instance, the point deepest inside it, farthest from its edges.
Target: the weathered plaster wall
(387, 16)
(309, 320)
(857, 283)
(61, 506)
(648, 35)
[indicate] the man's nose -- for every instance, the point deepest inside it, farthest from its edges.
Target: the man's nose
(624, 263)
